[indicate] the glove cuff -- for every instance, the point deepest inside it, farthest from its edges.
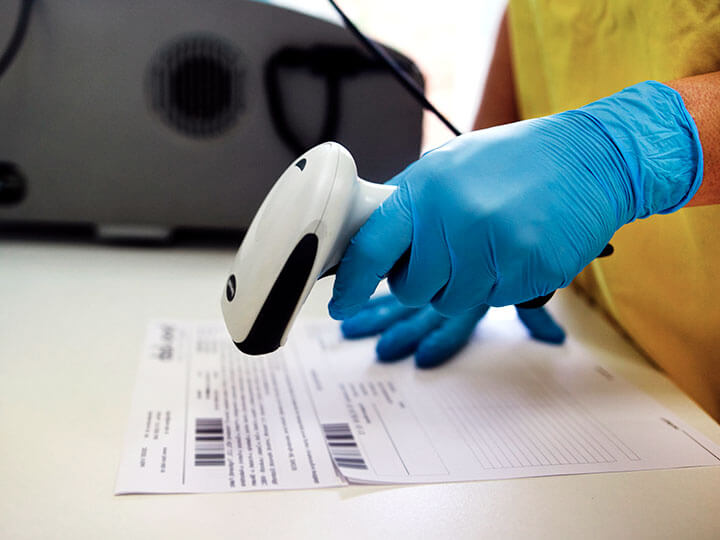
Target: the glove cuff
(659, 142)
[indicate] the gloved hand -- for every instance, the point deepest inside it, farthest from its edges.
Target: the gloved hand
(504, 215)
(431, 337)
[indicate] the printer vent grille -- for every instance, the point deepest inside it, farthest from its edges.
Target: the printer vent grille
(196, 85)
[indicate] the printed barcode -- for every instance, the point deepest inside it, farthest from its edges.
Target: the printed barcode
(343, 447)
(209, 442)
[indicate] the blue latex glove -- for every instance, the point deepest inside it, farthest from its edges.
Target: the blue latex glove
(504, 215)
(431, 337)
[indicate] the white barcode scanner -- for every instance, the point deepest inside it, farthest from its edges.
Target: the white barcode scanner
(298, 235)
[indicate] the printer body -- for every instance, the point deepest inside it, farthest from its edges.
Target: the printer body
(145, 117)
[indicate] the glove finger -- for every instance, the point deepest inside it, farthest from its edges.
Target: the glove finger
(472, 281)
(402, 338)
(418, 277)
(541, 325)
(425, 270)
(463, 290)
(448, 339)
(376, 317)
(371, 254)
(380, 300)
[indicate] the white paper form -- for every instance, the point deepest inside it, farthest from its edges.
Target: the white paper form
(206, 418)
(506, 407)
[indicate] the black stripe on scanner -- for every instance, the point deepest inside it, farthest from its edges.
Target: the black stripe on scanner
(271, 322)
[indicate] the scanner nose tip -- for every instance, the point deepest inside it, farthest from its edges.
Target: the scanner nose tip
(255, 349)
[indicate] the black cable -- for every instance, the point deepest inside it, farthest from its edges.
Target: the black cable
(18, 36)
(399, 73)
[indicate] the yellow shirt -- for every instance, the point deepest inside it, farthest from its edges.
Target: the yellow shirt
(662, 285)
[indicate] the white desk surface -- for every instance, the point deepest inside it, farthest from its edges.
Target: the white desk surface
(72, 320)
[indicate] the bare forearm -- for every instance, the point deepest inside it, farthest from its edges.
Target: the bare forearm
(701, 95)
(498, 102)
